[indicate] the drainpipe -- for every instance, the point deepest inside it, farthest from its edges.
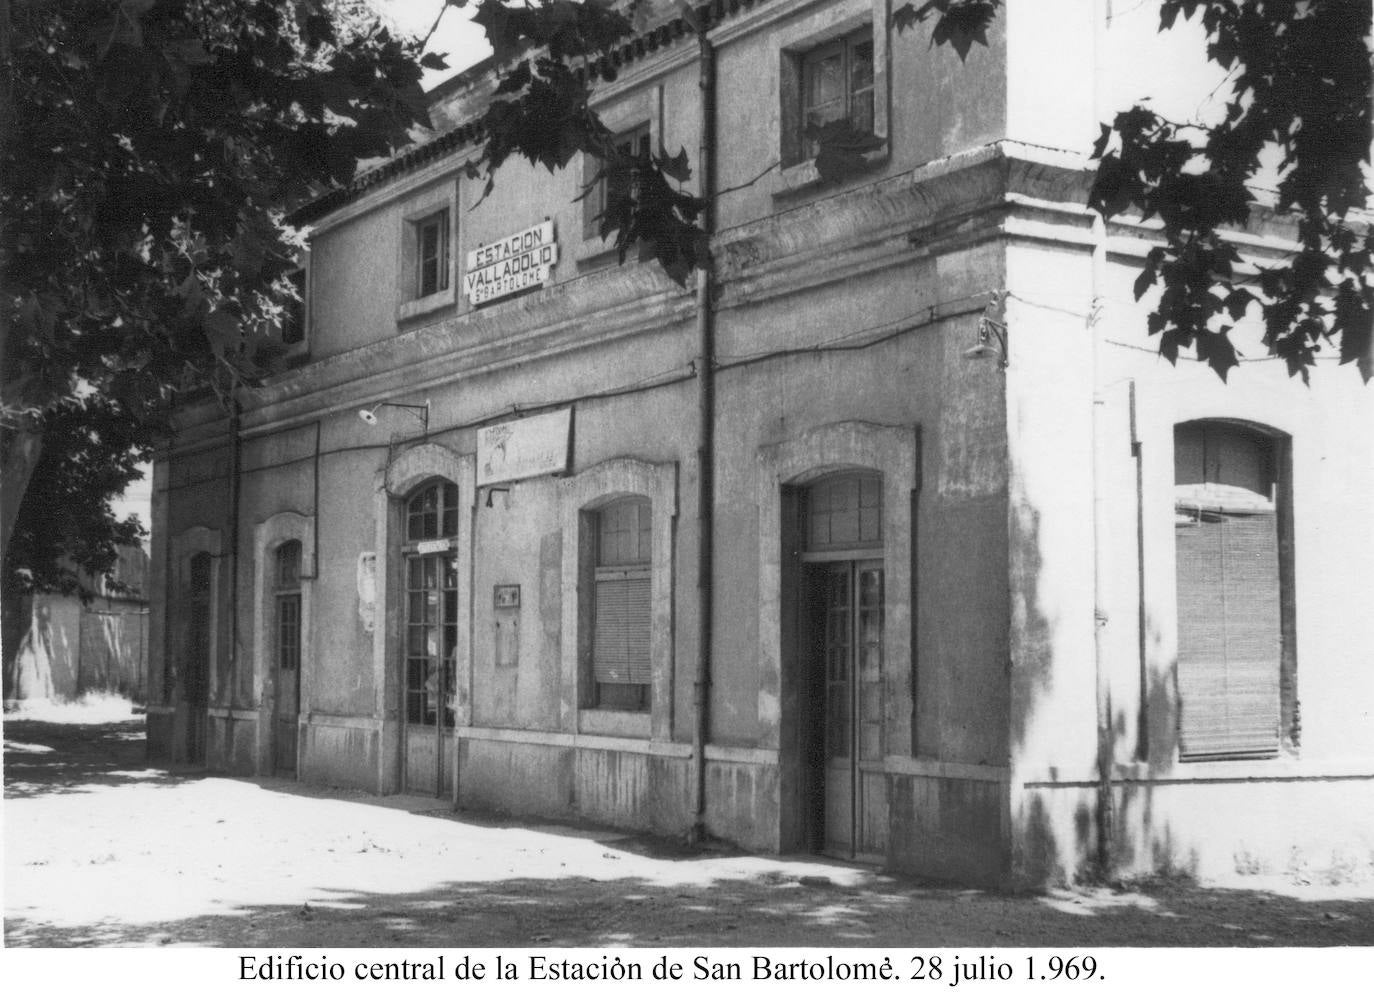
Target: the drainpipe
(235, 467)
(314, 572)
(706, 428)
(1105, 749)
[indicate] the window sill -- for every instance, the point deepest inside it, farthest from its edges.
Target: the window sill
(604, 722)
(596, 253)
(424, 305)
(804, 178)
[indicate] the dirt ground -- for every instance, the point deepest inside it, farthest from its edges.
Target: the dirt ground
(101, 850)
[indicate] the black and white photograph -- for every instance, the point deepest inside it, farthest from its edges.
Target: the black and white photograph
(800, 493)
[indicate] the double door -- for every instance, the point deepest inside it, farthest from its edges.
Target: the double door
(846, 790)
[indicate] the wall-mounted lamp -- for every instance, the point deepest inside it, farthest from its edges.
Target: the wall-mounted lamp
(990, 330)
(492, 490)
(420, 411)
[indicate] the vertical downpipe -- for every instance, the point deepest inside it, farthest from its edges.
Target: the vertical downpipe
(235, 468)
(1105, 751)
(706, 430)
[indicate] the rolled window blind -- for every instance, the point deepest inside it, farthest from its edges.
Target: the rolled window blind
(1229, 636)
(620, 641)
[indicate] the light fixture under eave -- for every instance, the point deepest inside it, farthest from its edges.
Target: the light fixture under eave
(420, 411)
(990, 329)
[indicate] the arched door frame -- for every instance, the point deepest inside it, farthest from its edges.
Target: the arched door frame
(892, 451)
(393, 486)
(268, 536)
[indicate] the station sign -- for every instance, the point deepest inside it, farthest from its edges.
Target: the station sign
(511, 264)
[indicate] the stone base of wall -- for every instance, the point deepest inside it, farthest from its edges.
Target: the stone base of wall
(232, 742)
(344, 756)
(636, 791)
(948, 828)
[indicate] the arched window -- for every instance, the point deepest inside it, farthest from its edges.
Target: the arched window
(844, 512)
(432, 512)
(431, 573)
(622, 620)
(1231, 605)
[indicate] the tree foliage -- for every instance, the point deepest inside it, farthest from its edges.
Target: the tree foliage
(551, 53)
(149, 151)
(65, 525)
(1299, 77)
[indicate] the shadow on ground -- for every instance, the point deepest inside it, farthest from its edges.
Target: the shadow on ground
(46, 758)
(571, 893)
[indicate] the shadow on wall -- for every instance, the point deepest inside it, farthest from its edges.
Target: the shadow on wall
(1039, 842)
(1055, 837)
(1138, 844)
(63, 649)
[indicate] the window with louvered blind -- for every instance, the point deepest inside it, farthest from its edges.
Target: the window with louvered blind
(1231, 630)
(621, 617)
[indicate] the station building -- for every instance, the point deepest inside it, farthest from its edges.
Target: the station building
(893, 539)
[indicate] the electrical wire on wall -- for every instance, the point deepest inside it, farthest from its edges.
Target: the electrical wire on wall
(858, 340)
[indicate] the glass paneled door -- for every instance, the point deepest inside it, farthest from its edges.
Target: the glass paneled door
(431, 639)
(844, 785)
(286, 708)
(850, 803)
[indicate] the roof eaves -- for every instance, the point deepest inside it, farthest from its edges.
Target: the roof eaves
(638, 48)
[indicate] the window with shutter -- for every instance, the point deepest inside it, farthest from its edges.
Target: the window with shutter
(621, 669)
(1230, 593)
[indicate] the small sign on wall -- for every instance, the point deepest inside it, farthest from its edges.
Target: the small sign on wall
(434, 546)
(526, 447)
(507, 622)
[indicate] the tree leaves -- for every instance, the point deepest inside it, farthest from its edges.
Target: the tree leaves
(148, 157)
(958, 23)
(1300, 81)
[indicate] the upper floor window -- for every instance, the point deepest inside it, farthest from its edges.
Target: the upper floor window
(634, 142)
(293, 316)
(837, 84)
(431, 254)
(833, 72)
(426, 280)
